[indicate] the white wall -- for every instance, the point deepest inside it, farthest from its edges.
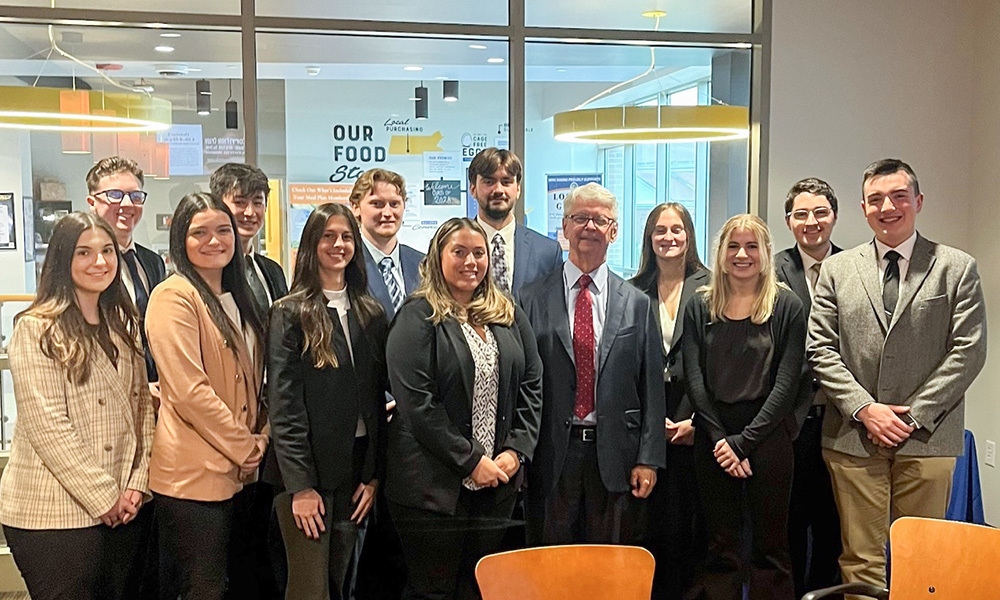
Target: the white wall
(854, 81)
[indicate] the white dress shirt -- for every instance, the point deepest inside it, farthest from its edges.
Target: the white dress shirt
(507, 234)
(599, 298)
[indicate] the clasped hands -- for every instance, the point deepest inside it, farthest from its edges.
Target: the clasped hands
(885, 428)
(493, 472)
(124, 510)
(727, 459)
(249, 467)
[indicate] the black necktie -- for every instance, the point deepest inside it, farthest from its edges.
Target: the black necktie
(141, 301)
(256, 287)
(890, 282)
(339, 340)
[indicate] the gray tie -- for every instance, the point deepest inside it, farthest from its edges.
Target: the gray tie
(499, 260)
(395, 294)
(813, 274)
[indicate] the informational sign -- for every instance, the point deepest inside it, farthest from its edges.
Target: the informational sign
(472, 144)
(558, 187)
(442, 165)
(319, 193)
(8, 239)
(221, 150)
(443, 192)
(185, 149)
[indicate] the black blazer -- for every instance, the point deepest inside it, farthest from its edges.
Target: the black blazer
(679, 406)
(314, 412)
(790, 271)
(535, 256)
(410, 265)
(274, 276)
(629, 395)
(152, 265)
(431, 448)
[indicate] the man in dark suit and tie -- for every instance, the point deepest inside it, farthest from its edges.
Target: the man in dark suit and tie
(813, 525)
(257, 557)
(518, 255)
(379, 199)
(897, 333)
(603, 407)
(115, 193)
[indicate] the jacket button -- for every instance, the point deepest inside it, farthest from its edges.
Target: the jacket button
(568, 423)
(673, 361)
(107, 447)
(101, 401)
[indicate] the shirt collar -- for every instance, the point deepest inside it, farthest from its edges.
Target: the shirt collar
(599, 276)
(131, 246)
(378, 255)
(338, 299)
(506, 232)
(808, 261)
(905, 249)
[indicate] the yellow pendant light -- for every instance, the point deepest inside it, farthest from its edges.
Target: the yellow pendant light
(652, 124)
(40, 108)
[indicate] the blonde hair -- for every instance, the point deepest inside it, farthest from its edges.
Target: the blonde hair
(717, 293)
(366, 183)
(489, 305)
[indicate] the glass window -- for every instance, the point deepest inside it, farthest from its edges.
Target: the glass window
(217, 7)
(335, 106)
(703, 16)
(708, 178)
(436, 11)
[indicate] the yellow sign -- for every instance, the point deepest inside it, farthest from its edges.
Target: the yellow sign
(415, 144)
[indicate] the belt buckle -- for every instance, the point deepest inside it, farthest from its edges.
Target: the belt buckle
(588, 434)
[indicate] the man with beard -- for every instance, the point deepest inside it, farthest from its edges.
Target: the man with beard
(518, 255)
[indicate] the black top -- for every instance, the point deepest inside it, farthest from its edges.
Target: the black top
(787, 328)
(739, 360)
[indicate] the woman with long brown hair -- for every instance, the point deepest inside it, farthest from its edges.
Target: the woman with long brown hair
(78, 467)
(744, 342)
(326, 391)
(467, 380)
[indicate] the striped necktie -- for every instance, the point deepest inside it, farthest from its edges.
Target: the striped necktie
(395, 294)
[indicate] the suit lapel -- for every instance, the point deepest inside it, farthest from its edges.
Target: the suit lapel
(868, 270)
(921, 262)
(794, 273)
(375, 282)
(612, 318)
(558, 311)
(502, 335)
(410, 269)
(463, 356)
(522, 249)
(691, 285)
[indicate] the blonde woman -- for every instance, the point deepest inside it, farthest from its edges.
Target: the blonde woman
(467, 380)
(744, 338)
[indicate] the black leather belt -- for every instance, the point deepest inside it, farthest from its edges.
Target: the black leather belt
(817, 411)
(584, 433)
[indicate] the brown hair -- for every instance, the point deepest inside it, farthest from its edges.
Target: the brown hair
(647, 274)
(112, 166)
(366, 183)
(490, 160)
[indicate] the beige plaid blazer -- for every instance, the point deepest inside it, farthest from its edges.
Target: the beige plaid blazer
(76, 448)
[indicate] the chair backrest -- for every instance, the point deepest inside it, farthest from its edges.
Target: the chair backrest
(944, 560)
(577, 572)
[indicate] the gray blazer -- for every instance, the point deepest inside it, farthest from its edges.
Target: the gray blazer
(925, 358)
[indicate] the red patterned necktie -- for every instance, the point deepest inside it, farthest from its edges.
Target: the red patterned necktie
(583, 349)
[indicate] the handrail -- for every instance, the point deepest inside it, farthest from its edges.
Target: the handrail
(16, 298)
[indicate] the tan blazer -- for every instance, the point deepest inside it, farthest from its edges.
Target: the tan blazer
(76, 447)
(208, 403)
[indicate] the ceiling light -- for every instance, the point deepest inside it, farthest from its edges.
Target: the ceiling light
(232, 113)
(203, 97)
(170, 35)
(39, 108)
(312, 71)
(654, 14)
(164, 48)
(494, 60)
(652, 124)
(560, 70)
(193, 70)
(203, 87)
(420, 106)
(450, 91)
(477, 46)
(413, 68)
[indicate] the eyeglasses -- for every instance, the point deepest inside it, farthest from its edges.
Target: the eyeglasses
(599, 221)
(137, 197)
(803, 213)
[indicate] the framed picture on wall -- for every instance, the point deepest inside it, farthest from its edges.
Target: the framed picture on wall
(8, 232)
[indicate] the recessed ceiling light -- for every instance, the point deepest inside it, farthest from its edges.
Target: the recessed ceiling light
(560, 70)
(164, 48)
(413, 68)
(494, 60)
(440, 77)
(477, 46)
(170, 35)
(194, 70)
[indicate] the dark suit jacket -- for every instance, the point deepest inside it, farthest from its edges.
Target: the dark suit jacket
(431, 446)
(629, 396)
(314, 412)
(152, 265)
(535, 255)
(790, 270)
(679, 406)
(409, 263)
(274, 276)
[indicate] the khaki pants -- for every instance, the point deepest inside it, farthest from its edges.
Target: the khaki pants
(872, 491)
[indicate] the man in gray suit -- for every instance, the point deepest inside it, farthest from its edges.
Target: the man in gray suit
(897, 334)
(603, 408)
(518, 255)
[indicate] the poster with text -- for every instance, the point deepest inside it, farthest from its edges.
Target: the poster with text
(185, 149)
(558, 186)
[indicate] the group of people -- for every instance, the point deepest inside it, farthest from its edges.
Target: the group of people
(373, 430)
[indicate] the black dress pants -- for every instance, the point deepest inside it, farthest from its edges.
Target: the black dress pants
(254, 566)
(74, 564)
(442, 550)
(381, 568)
(194, 547)
(813, 524)
(759, 503)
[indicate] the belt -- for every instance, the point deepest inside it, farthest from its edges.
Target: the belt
(584, 433)
(816, 411)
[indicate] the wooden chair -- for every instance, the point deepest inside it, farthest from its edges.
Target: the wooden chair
(577, 572)
(935, 560)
